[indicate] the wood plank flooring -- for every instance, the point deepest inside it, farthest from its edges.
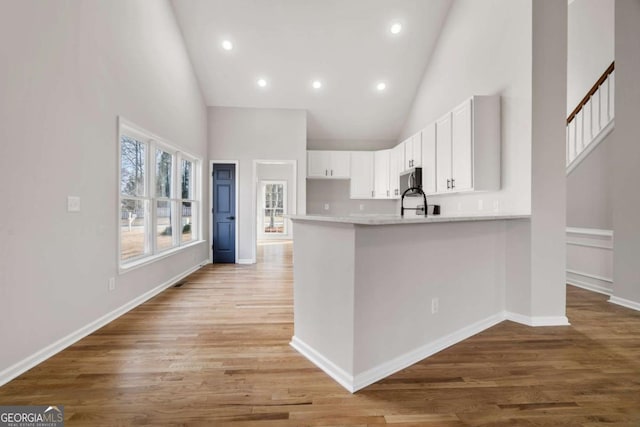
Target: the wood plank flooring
(215, 352)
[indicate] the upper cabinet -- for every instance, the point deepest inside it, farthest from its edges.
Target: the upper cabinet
(328, 164)
(381, 174)
(468, 147)
(362, 176)
(396, 165)
(429, 169)
(412, 152)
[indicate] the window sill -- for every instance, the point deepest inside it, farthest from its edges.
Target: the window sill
(130, 266)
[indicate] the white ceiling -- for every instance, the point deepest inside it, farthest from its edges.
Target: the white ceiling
(344, 43)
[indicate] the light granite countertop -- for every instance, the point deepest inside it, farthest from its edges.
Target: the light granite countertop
(398, 220)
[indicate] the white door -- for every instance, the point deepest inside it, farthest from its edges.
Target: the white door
(318, 164)
(429, 159)
(416, 150)
(340, 161)
(443, 154)
(362, 174)
(462, 148)
(381, 172)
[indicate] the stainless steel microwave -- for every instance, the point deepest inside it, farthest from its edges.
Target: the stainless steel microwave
(411, 179)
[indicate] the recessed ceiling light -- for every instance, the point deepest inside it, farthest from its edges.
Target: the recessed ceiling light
(227, 45)
(317, 84)
(395, 28)
(262, 83)
(381, 86)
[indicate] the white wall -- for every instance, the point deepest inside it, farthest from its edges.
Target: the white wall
(69, 69)
(484, 49)
(626, 155)
(335, 193)
(277, 172)
(247, 134)
(591, 28)
(589, 189)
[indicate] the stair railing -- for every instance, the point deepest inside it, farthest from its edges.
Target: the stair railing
(592, 119)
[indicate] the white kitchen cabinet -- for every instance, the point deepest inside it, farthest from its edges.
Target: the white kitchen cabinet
(468, 147)
(429, 159)
(381, 174)
(362, 178)
(396, 165)
(328, 164)
(412, 152)
(443, 154)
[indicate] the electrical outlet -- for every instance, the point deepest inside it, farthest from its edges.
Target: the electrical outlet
(434, 305)
(361, 206)
(326, 206)
(480, 204)
(73, 204)
(496, 205)
(112, 284)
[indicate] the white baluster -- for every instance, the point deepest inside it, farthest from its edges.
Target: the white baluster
(580, 142)
(567, 144)
(586, 117)
(612, 95)
(595, 104)
(604, 104)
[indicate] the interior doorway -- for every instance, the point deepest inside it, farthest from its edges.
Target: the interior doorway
(274, 198)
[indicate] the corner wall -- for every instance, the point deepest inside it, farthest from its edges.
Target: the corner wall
(626, 157)
(69, 69)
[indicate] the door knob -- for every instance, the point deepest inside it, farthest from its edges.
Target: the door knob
(231, 217)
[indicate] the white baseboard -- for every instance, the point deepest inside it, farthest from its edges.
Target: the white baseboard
(536, 321)
(341, 376)
(625, 303)
(397, 364)
(405, 360)
(246, 261)
(589, 286)
(40, 356)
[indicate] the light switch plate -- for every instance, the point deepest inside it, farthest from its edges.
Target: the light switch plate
(73, 204)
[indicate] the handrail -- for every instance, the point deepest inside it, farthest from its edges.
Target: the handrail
(591, 92)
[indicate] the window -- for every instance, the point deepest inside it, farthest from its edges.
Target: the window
(158, 197)
(274, 201)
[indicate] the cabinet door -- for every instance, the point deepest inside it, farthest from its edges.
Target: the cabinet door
(462, 148)
(443, 154)
(318, 164)
(396, 160)
(381, 173)
(416, 149)
(408, 154)
(361, 175)
(429, 159)
(340, 161)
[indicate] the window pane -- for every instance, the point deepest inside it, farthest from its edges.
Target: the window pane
(164, 232)
(187, 179)
(132, 155)
(189, 210)
(163, 173)
(133, 214)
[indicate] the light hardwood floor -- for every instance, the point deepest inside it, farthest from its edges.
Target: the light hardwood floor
(216, 352)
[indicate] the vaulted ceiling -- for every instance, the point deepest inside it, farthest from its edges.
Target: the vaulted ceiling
(347, 45)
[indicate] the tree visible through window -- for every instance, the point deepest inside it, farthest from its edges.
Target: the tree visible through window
(274, 199)
(158, 202)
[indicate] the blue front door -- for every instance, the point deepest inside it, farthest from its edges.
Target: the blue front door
(224, 213)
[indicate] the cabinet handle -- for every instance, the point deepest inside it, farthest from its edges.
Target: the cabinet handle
(372, 195)
(326, 172)
(453, 183)
(331, 172)
(448, 183)
(387, 193)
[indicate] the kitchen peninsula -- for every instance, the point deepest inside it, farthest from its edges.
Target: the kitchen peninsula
(375, 294)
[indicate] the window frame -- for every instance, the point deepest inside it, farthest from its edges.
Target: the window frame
(152, 143)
